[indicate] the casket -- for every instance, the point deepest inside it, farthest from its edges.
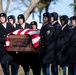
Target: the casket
(21, 43)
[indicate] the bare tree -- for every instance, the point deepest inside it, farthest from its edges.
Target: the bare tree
(8, 3)
(32, 5)
(7, 6)
(74, 5)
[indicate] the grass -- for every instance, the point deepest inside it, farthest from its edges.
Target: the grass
(31, 72)
(21, 72)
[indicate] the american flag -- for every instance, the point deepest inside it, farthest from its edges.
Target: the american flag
(33, 33)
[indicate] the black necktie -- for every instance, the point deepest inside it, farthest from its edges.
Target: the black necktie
(21, 27)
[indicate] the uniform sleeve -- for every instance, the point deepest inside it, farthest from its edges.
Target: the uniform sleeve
(73, 40)
(2, 40)
(64, 38)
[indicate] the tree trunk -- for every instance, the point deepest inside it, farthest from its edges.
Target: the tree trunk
(75, 7)
(8, 3)
(40, 16)
(33, 3)
(1, 7)
(46, 8)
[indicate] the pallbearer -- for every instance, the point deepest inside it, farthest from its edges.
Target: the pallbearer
(73, 44)
(47, 45)
(24, 56)
(5, 58)
(35, 63)
(14, 65)
(63, 43)
(57, 28)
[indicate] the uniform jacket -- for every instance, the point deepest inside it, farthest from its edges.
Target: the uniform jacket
(18, 26)
(3, 33)
(47, 44)
(73, 44)
(21, 55)
(63, 46)
(57, 31)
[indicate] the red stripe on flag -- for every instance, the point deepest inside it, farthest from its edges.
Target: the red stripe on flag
(19, 31)
(36, 44)
(35, 36)
(7, 39)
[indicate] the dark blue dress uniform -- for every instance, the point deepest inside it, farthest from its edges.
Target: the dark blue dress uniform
(5, 58)
(3, 34)
(46, 22)
(23, 56)
(57, 30)
(73, 44)
(56, 25)
(73, 54)
(27, 26)
(47, 44)
(35, 63)
(14, 64)
(63, 42)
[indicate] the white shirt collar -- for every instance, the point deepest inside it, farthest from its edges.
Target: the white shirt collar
(14, 25)
(63, 26)
(4, 24)
(23, 25)
(54, 22)
(73, 27)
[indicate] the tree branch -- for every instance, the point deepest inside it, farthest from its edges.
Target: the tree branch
(1, 7)
(33, 3)
(8, 3)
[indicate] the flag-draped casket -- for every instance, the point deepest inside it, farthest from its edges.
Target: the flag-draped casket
(23, 40)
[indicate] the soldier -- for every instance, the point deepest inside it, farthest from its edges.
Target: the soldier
(35, 63)
(73, 44)
(11, 19)
(46, 41)
(55, 23)
(5, 58)
(63, 43)
(57, 27)
(23, 25)
(14, 64)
